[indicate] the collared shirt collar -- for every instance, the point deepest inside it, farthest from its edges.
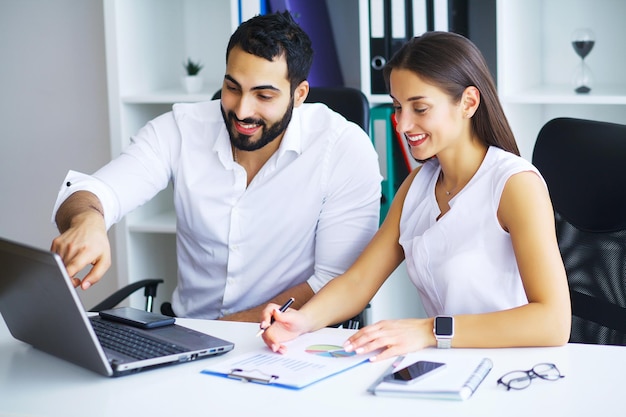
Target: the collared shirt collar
(291, 141)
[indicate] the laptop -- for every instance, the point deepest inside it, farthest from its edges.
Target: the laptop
(41, 307)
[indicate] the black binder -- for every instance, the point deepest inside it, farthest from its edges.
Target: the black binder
(391, 25)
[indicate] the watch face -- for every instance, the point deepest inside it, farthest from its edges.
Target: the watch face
(444, 326)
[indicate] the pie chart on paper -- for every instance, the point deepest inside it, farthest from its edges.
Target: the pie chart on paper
(329, 351)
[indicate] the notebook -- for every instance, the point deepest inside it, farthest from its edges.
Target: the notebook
(458, 380)
(40, 307)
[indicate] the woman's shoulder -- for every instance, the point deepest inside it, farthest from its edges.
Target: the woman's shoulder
(505, 164)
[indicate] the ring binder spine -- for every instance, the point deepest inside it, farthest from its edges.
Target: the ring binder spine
(379, 21)
(391, 25)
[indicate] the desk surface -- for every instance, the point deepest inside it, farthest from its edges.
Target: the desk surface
(33, 383)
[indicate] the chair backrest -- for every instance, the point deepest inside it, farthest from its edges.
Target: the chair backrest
(584, 165)
(349, 102)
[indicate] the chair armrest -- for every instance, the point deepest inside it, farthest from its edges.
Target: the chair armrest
(150, 286)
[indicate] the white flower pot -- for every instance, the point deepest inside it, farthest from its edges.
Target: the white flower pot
(192, 83)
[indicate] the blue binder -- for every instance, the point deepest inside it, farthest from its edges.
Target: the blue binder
(314, 18)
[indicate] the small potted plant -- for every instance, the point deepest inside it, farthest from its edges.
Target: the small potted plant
(192, 81)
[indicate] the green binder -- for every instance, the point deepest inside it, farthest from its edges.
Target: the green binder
(390, 159)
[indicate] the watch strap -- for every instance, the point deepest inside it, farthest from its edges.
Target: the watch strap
(444, 343)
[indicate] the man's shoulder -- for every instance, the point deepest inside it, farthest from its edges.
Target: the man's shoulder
(206, 111)
(318, 119)
(320, 112)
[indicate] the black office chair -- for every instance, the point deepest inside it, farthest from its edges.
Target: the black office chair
(349, 102)
(150, 290)
(584, 165)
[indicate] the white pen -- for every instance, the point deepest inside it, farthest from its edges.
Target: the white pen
(282, 310)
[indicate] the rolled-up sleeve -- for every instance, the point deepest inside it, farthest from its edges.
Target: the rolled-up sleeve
(76, 181)
(138, 174)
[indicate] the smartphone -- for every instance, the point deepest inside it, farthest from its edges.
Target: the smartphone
(414, 372)
(138, 318)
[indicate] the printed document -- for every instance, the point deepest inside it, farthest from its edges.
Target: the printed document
(310, 358)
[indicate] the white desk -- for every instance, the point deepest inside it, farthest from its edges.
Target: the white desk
(33, 383)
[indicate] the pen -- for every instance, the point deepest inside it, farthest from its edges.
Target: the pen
(389, 370)
(282, 310)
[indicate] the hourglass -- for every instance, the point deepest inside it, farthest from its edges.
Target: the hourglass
(582, 42)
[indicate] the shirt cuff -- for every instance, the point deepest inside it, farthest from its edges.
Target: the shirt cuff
(76, 181)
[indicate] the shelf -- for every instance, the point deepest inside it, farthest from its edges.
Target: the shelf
(564, 94)
(160, 223)
(170, 96)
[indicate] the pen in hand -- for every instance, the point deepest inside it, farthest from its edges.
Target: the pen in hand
(282, 310)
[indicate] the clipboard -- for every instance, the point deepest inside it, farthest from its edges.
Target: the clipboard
(310, 358)
(253, 375)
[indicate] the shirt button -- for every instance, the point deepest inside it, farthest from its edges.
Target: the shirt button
(230, 280)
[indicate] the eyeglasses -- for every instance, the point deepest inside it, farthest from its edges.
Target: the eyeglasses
(522, 379)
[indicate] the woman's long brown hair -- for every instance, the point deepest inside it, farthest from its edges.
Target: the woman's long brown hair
(453, 63)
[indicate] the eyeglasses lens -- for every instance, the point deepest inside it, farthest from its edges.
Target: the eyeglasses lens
(547, 371)
(516, 380)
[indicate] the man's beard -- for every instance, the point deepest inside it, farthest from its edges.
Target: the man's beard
(243, 142)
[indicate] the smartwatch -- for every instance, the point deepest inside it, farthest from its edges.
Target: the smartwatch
(444, 331)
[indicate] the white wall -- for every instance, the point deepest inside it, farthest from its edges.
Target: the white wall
(53, 112)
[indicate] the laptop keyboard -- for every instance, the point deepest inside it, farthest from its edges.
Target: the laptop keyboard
(130, 342)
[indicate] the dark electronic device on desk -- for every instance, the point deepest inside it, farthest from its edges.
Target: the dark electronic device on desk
(414, 372)
(138, 318)
(41, 307)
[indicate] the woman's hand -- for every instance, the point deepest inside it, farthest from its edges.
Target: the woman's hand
(286, 326)
(393, 337)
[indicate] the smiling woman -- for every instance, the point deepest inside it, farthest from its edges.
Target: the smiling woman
(474, 222)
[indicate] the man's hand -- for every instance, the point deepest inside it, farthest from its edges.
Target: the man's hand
(83, 239)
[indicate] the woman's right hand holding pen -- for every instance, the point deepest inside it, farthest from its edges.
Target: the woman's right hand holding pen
(286, 326)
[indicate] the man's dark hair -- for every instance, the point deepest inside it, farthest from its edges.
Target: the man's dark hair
(272, 35)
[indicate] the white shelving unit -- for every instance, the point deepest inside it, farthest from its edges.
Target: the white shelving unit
(536, 62)
(147, 42)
